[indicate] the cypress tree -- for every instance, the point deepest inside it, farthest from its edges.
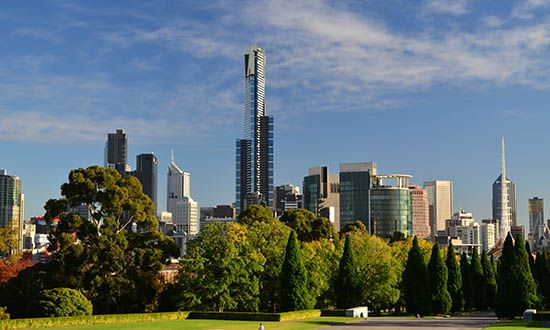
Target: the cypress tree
(466, 273)
(294, 291)
(531, 258)
(527, 297)
(490, 282)
(505, 280)
(437, 274)
(478, 284)
(348, 283)
(454, 280)
(415, 280)
(542, 278)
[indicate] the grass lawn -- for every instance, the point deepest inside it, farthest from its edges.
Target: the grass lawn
(512, 325)
(314, 323)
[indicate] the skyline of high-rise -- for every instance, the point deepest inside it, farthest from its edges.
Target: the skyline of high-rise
(12, 203)
(147, 174)
(116, 151)
(440, 199)
(184, 209)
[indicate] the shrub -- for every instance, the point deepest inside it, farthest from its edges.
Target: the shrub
(63, 302)
(4, 314)
(299, 315)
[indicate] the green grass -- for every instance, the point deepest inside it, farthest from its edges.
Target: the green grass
(513, 325)
(313, 323)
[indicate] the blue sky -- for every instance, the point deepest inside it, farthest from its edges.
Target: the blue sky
(421, 87)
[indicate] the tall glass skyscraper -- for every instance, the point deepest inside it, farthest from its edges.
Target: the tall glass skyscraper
(11, 204)
(147, 173)
(254, 170)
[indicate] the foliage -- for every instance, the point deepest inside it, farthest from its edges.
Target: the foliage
(4, 314)
(437, 276)
(63, 302)
(467, 286)
(13, 265)
(489, 281)
(221, 271)
(355, 226)
(527, 297)
(454, 280)
(478, 283)
(256, 213)
(415, 281)
(348, 284)
(308, 227)
(321, 260)
(542, 277)
(300, 315)
(234, 316)
(294, 291)
(397, 236)
(9, 239)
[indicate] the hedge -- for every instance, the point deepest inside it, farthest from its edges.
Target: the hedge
(89, 320)
(299, 315)
(333, 312)
(541, 316)
(266, 317)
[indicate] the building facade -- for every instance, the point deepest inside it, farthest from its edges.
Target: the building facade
(147, 174)
(391, 206)
(355, 185)
(286, 197)
(321, 194)
(185, 211)
(440, 199)
(496, 201)
(537, 225)
(420, 212)
(254, 152)
(116, 151)
(12, 204)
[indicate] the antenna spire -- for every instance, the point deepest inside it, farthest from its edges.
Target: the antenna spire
(504, 205)
(172, 155)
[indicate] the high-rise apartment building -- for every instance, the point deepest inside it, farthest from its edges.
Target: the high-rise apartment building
(147, 174)
(254, 161)
(496, 200)
(440, 199)
(420, 212)
(184, 209)
(321, 194)
(355, 184)
(12, 204)
(391, 207)
(116, 151)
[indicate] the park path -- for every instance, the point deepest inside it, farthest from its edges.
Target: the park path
(408, 323)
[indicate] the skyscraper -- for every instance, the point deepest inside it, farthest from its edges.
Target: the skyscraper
(440, 199)
(391, 208)
(116, 151)
(147, 174)
(254, 161)
(179, 202)
(496, 201)
(11, 204)
(355, 184)
(321, 194)
(538, 231)
(420, 212)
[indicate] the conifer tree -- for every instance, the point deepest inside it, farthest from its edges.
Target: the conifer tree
(478, 283)
(437, 274)
(454, 280)
(527, 297)
(348, 283)
(505, 280)
(294, 291)
(542, 278)
(415, 280)
(465, 271)
(531, 258)
(490, 282)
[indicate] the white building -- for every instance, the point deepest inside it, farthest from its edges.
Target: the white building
(463, 226)
(440, 200)
(179, 202)
(488, 236)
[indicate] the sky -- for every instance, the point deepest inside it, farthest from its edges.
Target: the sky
(424, 87)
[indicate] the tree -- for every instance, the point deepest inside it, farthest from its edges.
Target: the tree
(437, 275)
(478, 283)
(489, 281)
(294, 291)
(467, 288)
(415, 278)
(9, 239)
(13, 265)
(527, 295)
(531, 258)
(63, 302)
(321, 259)
(542, 278)
(397, 236)
(454, 281)
(348, 283)
(357, 225)
(308, 227)
(256, 213)
(117, 268)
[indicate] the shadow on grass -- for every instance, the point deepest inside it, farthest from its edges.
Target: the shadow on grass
(518, 324)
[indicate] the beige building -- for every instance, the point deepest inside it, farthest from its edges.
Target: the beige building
(420, 212)
(440, 199)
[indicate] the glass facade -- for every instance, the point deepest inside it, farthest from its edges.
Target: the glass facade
(354, 198)
(391, 211)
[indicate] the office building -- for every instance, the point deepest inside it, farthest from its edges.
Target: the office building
(537, 226)
(355, 184)
(12, 202)
(511, 198)
(223, 211)
(463, 228)
(116, 151)
(440, 200)
(320, 194)
(489, 235)
(254, 156)
(147, 174)
(286, 197)
(420, 212)
(391, 206)
(179, 202)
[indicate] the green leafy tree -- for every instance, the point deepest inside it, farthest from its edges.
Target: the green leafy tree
(415, 278)
(117, 268)
(348, 283)
(467, 286)
(9, 239)
(478, 283)
(63, 302)
(308, 227)
(294, 291)
(221, 271)
(454, 281)
(256, 213)
(397, 236)
(437, 275)
(355, 226)
(321, 258)
(489, 281)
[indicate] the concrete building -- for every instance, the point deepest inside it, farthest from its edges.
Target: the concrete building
(287, 197)
(116, 151)
(511, 198)
(538, 231)
(462, 225)
(489, 235)
(440, 199)
(147, 174)
(254, 161)
(12, 204)
(391, 206)
(355, 185)
(179, 202)
(420, 212)
(321, 194)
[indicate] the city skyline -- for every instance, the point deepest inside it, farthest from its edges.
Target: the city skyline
(457, 117)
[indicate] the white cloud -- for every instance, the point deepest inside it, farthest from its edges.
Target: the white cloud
(524, 10)
(447, 7)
